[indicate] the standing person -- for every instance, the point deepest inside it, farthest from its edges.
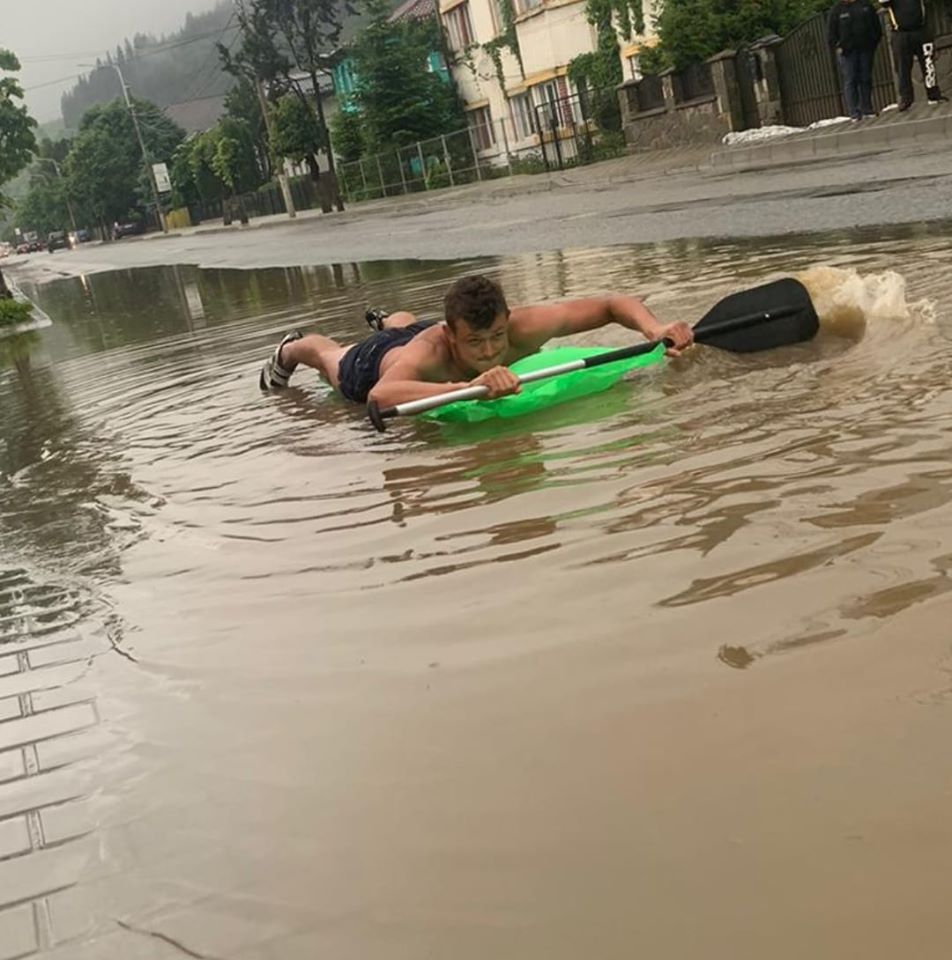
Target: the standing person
(912, 41)
(854, 33)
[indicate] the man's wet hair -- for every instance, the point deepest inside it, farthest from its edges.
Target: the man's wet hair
(477, 300)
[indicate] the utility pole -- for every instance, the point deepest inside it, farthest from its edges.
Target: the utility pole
(59, 174)
(282, 175)
(145, 153)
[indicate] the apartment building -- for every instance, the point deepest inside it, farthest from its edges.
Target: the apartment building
(630, 49)
(509, 107)
(502, 103)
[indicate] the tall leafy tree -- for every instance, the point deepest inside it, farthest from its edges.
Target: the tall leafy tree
(105, 168)
(692, 30)
(296, 133)
(17, 140)
(282, 39)
(44, 208)
(399, 99)
(242, 103)
(219, 163)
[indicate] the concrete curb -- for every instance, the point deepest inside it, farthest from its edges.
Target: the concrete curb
(848, 140)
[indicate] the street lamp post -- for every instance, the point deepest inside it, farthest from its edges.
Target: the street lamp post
(59, 174)
(145, 153)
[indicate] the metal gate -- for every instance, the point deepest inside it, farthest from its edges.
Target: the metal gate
(810, 87)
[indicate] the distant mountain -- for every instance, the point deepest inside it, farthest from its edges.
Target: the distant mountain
(174, 70)
(181, 73)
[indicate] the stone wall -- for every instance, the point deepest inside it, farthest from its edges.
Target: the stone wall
(703, 119)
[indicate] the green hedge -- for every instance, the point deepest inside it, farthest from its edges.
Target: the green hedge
(13, 312)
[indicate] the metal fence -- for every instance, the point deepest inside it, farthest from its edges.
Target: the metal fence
(579, 129)
(694, 82)
(647, 94)
(810, 86)
(558, 133)
(265, 201)
(939, 19)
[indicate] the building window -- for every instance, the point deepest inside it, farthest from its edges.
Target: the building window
(524, 6)
(459, 26)
(521, 112)
(481, 123)
(559, 102)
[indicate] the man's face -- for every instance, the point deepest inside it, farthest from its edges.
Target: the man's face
(480, 350)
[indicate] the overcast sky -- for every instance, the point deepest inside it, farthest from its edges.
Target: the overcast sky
(75, 32)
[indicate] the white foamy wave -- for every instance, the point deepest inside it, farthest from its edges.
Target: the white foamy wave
(846, 300)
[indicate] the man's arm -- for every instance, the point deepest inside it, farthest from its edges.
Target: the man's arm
(418, 372)
(421, 371)
(833, 27)
(534, 326)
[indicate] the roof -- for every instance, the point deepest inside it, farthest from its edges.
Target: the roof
(195, 116)
(413, 10)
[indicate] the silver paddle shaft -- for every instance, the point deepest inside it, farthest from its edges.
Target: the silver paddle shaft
(412, 407)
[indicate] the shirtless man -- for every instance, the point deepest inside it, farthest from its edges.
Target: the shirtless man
(409, 359)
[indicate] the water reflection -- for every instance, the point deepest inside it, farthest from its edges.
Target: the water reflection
(280, 582)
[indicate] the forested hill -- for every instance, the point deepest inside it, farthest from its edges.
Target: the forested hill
(174, 69)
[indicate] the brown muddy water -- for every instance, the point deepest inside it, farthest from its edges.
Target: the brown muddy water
(663, 673)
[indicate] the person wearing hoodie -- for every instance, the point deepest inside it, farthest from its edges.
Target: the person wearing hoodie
(854, 33)
(912, 41)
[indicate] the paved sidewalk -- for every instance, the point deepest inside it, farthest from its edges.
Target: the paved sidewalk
(924, 123)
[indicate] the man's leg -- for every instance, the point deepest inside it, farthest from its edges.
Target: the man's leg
(866, 82)
(313, 350)
(925, 53)
(903, 49)
(849, 63)
(381, 320)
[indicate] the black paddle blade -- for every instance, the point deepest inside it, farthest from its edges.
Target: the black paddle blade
(772, 315)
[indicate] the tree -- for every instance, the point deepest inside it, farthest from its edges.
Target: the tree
(282, 38)
(597, 74)
(220, 163)
(296, 134)
(399, 99)
(692, 30)
(105, 169)
(44, 207)
(242, 103)
(347, 129)
(17, 140)
(163, 70)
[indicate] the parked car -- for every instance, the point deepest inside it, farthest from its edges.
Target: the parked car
(127, 229)
(57, 240)
(82, 235)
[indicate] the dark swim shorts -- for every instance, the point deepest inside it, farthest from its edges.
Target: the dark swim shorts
(359, 368)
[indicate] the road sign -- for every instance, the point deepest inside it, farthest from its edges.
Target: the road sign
(161, 173)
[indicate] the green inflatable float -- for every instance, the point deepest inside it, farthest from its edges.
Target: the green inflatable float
(546, 393)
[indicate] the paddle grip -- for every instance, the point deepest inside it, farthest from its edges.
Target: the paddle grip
(377, 415)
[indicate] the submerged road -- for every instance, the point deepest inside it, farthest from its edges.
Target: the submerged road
(630, 200)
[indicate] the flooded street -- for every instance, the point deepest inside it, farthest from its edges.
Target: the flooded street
(665, 672)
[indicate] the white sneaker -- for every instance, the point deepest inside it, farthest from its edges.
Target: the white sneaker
(273, 374)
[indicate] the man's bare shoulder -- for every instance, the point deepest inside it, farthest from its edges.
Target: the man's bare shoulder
(530, 326)
(425, 357)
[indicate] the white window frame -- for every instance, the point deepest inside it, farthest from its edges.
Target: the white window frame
(459, 27)
(481, 125)
(523, 115)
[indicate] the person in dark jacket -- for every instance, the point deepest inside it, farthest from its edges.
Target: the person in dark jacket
(855, 32)
(912, 41)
